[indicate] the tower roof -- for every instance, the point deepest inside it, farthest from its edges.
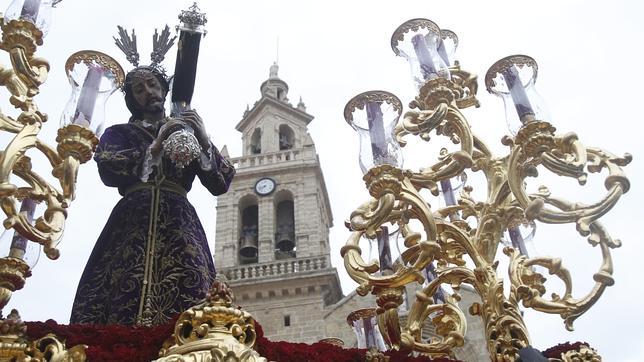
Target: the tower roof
(274, 92)
(274, 86)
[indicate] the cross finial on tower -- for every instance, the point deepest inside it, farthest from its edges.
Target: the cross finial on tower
(273, 71)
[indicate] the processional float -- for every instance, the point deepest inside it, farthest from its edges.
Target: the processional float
(447, 250)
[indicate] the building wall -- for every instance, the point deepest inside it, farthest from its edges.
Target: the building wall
(300, 176)
(475, 347)
(335, 318)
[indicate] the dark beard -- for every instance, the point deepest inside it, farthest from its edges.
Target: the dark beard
(156, 106)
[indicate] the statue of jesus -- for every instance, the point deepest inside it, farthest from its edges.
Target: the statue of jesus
(151, 260)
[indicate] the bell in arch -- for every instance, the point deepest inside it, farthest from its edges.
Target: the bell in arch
(284, 238)
(248, 243)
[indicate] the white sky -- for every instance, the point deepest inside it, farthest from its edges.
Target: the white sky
(589, 55)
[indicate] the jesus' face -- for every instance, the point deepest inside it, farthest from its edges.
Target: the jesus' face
(148, 93)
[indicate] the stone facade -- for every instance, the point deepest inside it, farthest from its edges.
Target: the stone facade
(290, 293)
(475, 347)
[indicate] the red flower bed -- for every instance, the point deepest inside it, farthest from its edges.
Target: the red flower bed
(142, 344)
(322, 352)
(107, 342)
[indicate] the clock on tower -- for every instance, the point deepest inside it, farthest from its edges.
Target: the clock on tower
(264, 186)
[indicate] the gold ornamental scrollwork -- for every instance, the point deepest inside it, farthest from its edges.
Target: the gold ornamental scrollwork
(583, 354)
(523, 161)
(374, 355)
(438, 112)
(399, 201)
(466, 85)
(213, 331)
(13, 274)
(465, 252)
(528, 286)
(14, 345)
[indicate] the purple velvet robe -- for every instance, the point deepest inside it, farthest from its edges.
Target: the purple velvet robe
(152, 260)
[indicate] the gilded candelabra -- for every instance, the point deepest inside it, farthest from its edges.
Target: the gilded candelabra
(451, 249)
(24, 26)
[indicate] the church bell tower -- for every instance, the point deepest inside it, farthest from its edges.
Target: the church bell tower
(272, 238)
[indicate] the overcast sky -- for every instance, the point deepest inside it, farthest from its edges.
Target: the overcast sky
(589, 55)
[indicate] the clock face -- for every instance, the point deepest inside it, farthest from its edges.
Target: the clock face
(264, 186)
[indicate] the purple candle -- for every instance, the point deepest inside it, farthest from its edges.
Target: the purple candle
(424, 57)
(369, 333)
(89, 93)
(519, 97)
(448, 192)
(449, 197)
(19, 242)
(517, 240)
(430, 274)
(376, 132)
(384, 251)
(30, 10)
(442, 52)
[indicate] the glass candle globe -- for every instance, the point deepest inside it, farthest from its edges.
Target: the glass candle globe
(14, 245)
(384, 248)
(512, 78)
(449, 189)
(37, 12)
(365, 325)
(374, 115)
(440, 296)
(447, 46)
(417, 40)
(522, 238)
(94, 77)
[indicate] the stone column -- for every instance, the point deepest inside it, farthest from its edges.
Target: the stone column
(226, 235)
(266, 235)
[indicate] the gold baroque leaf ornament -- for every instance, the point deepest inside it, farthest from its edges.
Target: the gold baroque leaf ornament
(374, 355)
(213, 331)
(463, 252)
(583, 354)
(15, 347)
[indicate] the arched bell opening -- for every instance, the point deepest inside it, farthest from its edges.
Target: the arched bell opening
(286, 137)
(256, 142)
(248, 230)
(284, 226)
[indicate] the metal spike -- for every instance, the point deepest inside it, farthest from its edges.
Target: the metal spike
(127, 45)
(161, 45)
